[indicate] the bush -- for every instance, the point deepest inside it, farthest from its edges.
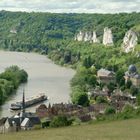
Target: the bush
(59, 121)
(101, 99)
(138, 99)
(128, 109)
(79, 97)
(127, 112)
(133, 90)
(110, 110)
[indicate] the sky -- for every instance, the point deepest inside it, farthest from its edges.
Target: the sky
(71, 6)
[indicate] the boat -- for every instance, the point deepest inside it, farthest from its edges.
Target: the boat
(28, 102)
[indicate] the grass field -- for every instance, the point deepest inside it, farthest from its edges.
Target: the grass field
(118, 130)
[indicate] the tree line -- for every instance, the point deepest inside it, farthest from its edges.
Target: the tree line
(10, 80)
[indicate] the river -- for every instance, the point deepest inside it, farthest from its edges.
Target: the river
(44, 77)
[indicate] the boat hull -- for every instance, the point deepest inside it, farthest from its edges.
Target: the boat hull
(16, 107)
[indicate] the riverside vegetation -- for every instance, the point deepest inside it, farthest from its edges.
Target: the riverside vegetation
(53, 35)
(10, 79)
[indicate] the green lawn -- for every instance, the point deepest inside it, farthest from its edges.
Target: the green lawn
(118, 130)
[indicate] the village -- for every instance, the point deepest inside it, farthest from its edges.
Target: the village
(101, 99)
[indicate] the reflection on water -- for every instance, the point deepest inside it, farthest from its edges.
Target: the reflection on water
(44, 77)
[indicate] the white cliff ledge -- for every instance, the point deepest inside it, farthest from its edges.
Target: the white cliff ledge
(92, 37)
(130, 41)
(108, 37)
(87, 36)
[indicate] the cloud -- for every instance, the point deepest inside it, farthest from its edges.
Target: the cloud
(71, 6)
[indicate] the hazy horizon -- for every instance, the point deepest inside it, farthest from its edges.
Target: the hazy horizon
(71, 6)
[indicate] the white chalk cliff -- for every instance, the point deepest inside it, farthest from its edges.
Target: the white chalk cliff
(87, 36)
(80, 36)
(108, 37)
(130, 41)
(94, 38)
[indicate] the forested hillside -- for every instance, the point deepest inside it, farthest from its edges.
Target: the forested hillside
(38, 31)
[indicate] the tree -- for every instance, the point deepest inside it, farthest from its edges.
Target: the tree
(120, 77)
(1, 96)
(134, 91)
(111, 86)
(92, 80)
(87, 62)
(60, 121)
(128, 84)
(79, 97)
(10, 79)
(67, 56)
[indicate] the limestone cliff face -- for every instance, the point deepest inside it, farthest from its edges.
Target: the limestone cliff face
(107, 37)
(87, 36)
(130, 41)
(80, 36)
(94, 38)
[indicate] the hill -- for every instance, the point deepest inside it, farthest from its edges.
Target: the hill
(118, 130)
(22, 31)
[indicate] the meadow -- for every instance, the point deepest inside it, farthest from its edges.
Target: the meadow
(116, 130)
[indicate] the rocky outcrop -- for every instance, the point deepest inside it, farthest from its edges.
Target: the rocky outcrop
(94, 38)
(14, 31)
(130, 41)
(87, 36)
(80, 36)
(108, 37)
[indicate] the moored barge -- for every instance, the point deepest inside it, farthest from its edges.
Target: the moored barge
(29, 102)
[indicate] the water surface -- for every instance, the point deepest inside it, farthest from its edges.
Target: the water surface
(44, 77)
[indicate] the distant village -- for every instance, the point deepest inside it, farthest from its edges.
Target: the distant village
(44, 114)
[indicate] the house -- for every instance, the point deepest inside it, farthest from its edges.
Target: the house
(119, 99)
(105, 76)
(57, 109)
(133, 76)
(94, 93)
(29, 120)
(21, 121)
(42, 111)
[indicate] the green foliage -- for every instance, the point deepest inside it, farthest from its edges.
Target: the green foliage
(128, 84)
(60, 121)
(120, 77)
(79, 97)
(127, 112)
(10, 79)
(101, 99)
(87, 62)
(134, 90)
(111, 87)
(138, 99)
(84, 78)
(15, 75)
(110, 110)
